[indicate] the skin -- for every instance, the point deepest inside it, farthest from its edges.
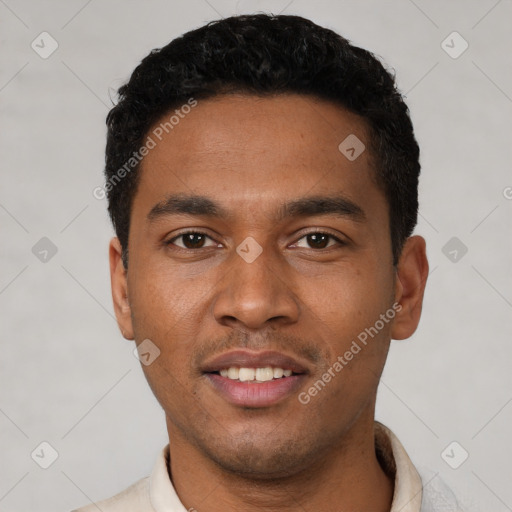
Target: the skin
(303, 298)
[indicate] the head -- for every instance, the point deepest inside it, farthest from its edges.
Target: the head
(245, 220)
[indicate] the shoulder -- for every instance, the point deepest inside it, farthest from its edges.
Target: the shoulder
(437, 496)
(135, 498)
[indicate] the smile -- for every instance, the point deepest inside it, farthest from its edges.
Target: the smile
(255, 379)
(255, 374)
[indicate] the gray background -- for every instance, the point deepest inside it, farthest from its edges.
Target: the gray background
(67, 375)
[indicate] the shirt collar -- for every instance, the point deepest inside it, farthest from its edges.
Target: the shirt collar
(391, 454)
(393, 458)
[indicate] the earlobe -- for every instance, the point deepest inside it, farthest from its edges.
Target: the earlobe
(119, 284)
(412, 273)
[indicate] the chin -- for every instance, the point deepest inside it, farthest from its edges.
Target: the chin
(262, 459)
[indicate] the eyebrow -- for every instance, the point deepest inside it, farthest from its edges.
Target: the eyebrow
(197, 205)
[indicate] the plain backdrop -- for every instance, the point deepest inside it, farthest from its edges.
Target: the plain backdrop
(69, 379)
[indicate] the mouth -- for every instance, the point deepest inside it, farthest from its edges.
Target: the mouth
(257, 375)
(254, 380)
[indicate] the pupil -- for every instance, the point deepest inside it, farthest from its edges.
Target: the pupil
(316, 237)
(192, 239)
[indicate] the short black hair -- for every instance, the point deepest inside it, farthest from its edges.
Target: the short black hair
(262, 54)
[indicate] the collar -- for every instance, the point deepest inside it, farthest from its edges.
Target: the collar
(396, 463)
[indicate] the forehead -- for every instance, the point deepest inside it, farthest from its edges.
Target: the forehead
(251, 150)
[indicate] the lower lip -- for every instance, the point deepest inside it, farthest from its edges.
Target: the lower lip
(255, 394)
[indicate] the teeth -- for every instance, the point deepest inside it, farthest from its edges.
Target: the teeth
(264, 374)
(233, 373)
(246, 374)
(254, 374)
(278, 373)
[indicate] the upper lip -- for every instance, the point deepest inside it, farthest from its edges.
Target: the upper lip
(249, 359)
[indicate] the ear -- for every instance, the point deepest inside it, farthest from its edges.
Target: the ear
(411, 278)
(119, 284)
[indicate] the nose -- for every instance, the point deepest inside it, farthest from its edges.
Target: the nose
(256, 294)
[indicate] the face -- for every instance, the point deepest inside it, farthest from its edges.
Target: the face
(255, 243)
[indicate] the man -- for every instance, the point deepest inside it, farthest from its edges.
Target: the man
(262, 180)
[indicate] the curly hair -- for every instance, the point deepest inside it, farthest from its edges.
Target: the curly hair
(265, 54)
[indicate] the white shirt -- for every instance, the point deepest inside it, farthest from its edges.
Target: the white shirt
(412, 493)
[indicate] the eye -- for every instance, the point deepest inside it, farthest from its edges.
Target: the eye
(192, 240)
(319, 240)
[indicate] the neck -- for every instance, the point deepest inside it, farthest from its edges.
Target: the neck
(348, 477)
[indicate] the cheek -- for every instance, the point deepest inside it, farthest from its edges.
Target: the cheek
(178, 397)
(163, 304)
(167, 312)
(346, 302)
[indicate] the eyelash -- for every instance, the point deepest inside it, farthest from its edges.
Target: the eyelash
(193, 232)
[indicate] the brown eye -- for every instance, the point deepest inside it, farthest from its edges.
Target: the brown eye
(319, 240)
(193, 240)
(190, 240)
